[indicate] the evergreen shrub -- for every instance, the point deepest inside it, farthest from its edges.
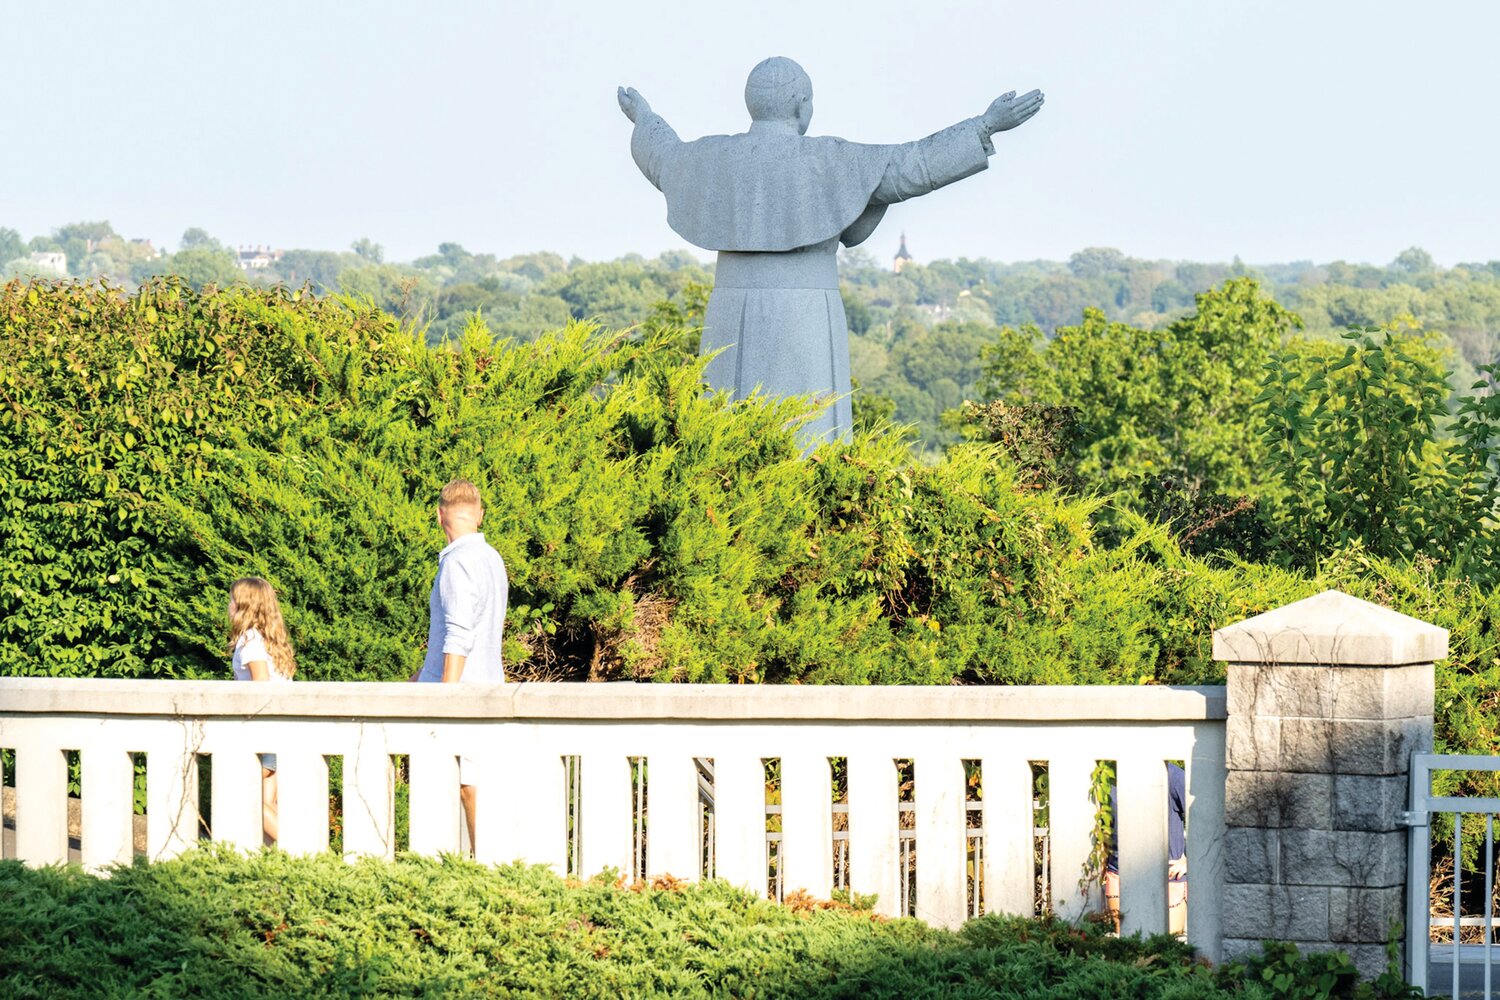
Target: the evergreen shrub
(154, 446)
(216, 923)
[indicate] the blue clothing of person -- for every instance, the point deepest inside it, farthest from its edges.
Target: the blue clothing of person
(467, 611)
(1176, 819)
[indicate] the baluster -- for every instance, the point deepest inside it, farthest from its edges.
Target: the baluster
(237, 796)
(41, 800)
(740, 820)
(672, 837)
(108, 805)
(525, 818)
(606, 812)
(1458, 897)
(1205, 840)
(302, 801)
(1071, 824)
(807, 824)
(171, 797)
(1489, 897)
(942, 845)
(873, 833)
(1009, 879)
(369, 797)
(1141, 804)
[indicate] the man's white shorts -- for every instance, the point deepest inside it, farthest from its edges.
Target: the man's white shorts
(470, 771)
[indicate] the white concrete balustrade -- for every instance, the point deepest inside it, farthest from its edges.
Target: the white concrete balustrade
(528, 733)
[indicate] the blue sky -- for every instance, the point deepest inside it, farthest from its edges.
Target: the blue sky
(1272, 130)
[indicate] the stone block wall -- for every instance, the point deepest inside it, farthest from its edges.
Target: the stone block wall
(1327, 700)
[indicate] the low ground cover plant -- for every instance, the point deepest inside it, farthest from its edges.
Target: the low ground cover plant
(218, 923)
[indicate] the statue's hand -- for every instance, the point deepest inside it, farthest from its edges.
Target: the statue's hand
(1007, 111)
(632, 103)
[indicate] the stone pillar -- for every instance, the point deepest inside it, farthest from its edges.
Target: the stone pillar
(1328, 699)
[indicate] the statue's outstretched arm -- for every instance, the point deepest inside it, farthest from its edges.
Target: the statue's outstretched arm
(653, 140)
(917, 168)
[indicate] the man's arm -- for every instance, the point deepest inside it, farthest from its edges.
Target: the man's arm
(653, 140)
(460, 618)
(959, 151)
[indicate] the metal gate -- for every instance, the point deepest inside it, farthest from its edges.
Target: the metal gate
(1449, 954)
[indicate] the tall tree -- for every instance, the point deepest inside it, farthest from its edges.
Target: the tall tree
(11, 246)
(1169, 404)
(368, 250)
(195, 238)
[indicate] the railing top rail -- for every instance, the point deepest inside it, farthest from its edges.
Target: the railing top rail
(612, 701)
(1464, 804)
(1455, 762)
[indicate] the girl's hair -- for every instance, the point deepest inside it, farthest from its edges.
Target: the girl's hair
(255, 606)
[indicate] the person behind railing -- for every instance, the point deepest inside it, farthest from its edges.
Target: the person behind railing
(467, 613)
(259, 650)
(1176, 853)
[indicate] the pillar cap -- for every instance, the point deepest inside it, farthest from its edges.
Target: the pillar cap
(1332, 628)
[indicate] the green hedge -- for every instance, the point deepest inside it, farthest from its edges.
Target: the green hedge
(157, 445)
(215, 923)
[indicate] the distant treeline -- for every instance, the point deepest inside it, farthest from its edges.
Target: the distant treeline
(917, 334)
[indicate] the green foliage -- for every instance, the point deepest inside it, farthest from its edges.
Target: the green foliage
(154, 447)
(931, 371)
(1169, 404)
(114, 407)
(200, 266)
(871, 411)
(160, 445)
(12, 246)
(1101, 783)
(679, 320)
(913, 332)
(1040, 438)
(197, 238)
(1240, 437)
(1287, 974)
(1357, 439)
(523, 296)
(216, 923)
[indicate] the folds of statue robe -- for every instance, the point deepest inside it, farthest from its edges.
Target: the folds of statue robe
(775, 206)
(778, 322)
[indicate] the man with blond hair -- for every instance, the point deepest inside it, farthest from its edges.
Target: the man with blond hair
(467, 609)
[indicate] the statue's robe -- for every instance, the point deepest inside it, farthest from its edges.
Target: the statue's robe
(775, 206)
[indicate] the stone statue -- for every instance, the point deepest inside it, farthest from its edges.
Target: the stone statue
(775, 203)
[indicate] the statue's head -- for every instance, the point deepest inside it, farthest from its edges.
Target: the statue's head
(779, 91)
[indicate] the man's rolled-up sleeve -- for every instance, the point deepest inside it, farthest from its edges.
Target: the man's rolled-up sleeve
(460, 609)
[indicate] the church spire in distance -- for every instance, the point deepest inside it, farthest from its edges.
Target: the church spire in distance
(903, 256)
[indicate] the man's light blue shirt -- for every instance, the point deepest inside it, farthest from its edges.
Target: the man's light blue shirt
(467, 611)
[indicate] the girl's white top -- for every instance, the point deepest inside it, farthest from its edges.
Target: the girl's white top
(251, 646)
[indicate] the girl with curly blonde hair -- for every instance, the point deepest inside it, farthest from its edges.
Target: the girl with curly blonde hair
(260, 650)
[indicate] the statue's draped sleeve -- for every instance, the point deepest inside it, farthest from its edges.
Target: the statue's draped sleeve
(773, 192)
(651, 143)
(921, 167)
(917, 168)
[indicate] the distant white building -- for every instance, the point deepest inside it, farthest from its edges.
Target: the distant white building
(48, 262)
(258, 258)
(145, 248)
